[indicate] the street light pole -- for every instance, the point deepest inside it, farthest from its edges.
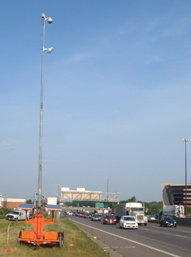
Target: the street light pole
(49, 19)
(59, 194)
(107, 189)
(185, 140)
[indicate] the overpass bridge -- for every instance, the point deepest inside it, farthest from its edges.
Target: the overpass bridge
(65, 194)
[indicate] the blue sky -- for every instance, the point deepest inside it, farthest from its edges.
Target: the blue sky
(116, 96)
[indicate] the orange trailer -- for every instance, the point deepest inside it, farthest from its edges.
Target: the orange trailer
(38, 236)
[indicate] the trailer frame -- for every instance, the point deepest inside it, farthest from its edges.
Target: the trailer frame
(38, 236)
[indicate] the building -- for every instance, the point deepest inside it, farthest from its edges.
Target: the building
(175, 194)
(11, 203)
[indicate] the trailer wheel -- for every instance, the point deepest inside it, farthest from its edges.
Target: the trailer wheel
(19, 237)
(61, 241)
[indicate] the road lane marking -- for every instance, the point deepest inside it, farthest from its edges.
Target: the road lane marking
(182, 236)
(122, 247)
(159, 230)
(185, 231)
(132, 241)
(107, 247)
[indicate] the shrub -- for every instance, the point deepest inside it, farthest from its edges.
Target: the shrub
(4, 211)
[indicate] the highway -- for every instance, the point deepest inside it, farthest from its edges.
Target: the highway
(148, 241)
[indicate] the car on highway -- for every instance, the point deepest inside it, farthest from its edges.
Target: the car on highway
(109, 219)
(63, 213)
(128, 222)
(95, 217)
(81, 214)
(167, 221)
(87, 215)
(151, 217)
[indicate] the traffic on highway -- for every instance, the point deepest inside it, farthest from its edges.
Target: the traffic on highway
(147, 241)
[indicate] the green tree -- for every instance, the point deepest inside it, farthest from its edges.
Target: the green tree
(132, 199)
(29, 201)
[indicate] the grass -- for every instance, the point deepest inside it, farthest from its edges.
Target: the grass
(76, 242)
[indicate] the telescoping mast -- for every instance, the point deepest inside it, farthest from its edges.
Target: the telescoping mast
(38, 236)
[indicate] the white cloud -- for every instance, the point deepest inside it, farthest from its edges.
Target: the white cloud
(151, 59)
(9, 144)
(80, 57)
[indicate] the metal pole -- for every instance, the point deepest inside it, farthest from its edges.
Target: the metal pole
(41, 120)
(107, 189)
(35, 198)
(59, 197)
(185, 140)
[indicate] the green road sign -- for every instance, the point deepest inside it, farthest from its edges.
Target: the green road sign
(99, 205)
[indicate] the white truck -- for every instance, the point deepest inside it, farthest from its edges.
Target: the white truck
(17, 215)
(131, 209)
(174, 211)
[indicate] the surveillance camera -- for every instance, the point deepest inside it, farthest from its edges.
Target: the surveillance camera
(50, 50)
(43, 15)
(50, 20)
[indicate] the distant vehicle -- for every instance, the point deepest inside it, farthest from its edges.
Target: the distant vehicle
(81, 215)
(109, 219)
(17, 215)
(95, 217)
(87, 215)
(167, 221)
(63, 213)
(151, 217)
(174, 211)
(128, 222)
(134, 209)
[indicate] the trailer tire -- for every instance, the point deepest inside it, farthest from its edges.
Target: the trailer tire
(19, 234)
(61, 241)
(145, 224)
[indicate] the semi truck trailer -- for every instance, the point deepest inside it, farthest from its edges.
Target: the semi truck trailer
(131, 209)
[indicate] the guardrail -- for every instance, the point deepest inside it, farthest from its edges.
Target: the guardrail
(183, 221)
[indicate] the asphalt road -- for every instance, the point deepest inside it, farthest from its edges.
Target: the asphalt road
(147, 241)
